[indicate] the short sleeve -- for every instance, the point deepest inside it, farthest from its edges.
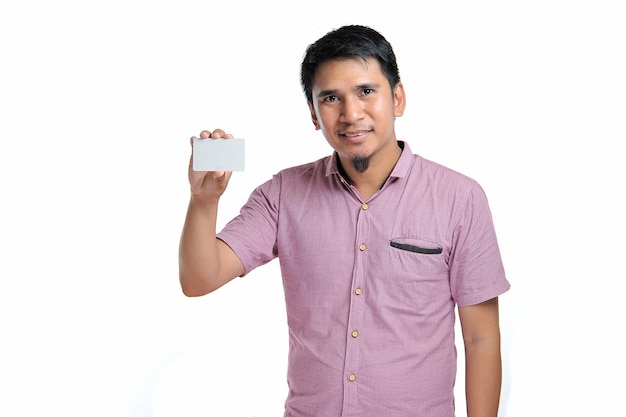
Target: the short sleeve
(252, 233)
(476, 270)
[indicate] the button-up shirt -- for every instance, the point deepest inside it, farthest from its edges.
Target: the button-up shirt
(371, 286)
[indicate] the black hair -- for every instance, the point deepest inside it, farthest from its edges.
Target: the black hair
(348, 41)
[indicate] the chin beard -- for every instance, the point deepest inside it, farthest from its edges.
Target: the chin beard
(360, 163)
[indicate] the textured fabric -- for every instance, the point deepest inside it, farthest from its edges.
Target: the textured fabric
(371, 287)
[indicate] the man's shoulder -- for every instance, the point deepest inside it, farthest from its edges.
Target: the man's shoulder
(420, 168)
(305, 169)
(431, 169)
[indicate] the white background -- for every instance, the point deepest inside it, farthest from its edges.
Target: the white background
(97, 104)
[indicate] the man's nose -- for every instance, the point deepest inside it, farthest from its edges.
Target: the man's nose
(351, 110)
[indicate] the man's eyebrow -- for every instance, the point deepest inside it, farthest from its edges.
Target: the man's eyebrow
(325, 93)
(332, 92)
(367, 85)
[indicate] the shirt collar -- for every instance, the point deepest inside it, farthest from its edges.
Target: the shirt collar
(399, 171)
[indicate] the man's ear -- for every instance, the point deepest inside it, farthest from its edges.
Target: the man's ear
(316, 123)
(399, 100)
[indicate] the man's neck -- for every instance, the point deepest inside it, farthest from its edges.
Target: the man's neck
(375, 176)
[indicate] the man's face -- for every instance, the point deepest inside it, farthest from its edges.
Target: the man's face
(355, 108)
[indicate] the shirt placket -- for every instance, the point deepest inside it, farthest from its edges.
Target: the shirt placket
(355, 331)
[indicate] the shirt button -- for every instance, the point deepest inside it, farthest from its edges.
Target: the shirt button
(358, 291)
(355, 333)
(352, 377)
(365, 206)
(362, 247)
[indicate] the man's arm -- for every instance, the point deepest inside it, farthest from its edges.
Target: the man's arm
(483, 362)
(205, 262)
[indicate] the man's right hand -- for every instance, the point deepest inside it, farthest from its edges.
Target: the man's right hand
(208, 186)
(205, 262)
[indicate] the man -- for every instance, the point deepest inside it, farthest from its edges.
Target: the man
(377, 246)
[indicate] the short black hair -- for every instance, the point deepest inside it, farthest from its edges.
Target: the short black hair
(348, 41)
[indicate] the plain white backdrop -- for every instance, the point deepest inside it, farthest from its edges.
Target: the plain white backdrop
(97, 104)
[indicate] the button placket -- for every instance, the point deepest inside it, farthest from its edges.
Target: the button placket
(357, 308)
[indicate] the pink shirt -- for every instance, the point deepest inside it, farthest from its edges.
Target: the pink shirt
(371, 286)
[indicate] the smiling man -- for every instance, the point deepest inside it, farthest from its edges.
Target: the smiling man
(377, 247)
(355, 106)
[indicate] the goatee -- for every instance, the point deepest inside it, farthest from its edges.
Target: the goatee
(360, 163)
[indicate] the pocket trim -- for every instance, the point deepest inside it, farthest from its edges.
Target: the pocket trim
(416, 249)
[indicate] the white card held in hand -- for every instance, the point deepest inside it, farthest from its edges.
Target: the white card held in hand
(218, 154)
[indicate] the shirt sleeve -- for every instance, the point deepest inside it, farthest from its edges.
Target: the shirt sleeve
(252, 233)
(476, 269)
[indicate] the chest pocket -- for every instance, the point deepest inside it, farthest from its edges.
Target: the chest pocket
(416, 275)
(417, 260)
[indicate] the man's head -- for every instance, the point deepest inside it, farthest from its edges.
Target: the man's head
(354, 94)
(345, 42)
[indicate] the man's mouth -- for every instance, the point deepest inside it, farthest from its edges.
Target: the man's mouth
(355, 133)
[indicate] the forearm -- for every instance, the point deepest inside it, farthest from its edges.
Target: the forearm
(483, 377)
(198, 250)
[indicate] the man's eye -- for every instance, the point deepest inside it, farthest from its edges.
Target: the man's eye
(330, 98)
(367, 91)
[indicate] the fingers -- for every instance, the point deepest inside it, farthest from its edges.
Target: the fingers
(220, 175)
(217, 133)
